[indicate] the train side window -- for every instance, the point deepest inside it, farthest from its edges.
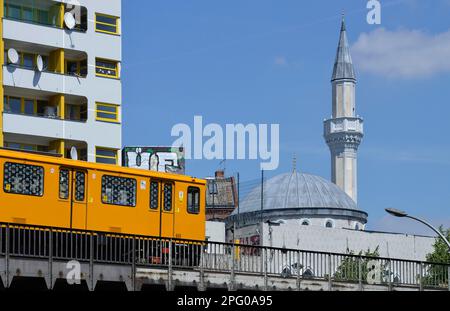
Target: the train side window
(193, 200)
(64, 184)
(23, 179)
(80, 179)
(168, 197)
(118, 191)
(154, 192)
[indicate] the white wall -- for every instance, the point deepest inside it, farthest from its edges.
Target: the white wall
(317, 238)
(390, 245)
(215, 231)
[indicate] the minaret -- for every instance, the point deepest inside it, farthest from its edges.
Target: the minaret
(344, 131)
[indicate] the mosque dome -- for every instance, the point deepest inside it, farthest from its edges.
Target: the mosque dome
(299, 196)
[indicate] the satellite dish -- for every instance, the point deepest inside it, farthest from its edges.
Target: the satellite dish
(13, 56)
(39, 63)
(73, 153)
(69, 20)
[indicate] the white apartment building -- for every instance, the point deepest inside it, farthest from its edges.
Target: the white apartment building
(61, 77)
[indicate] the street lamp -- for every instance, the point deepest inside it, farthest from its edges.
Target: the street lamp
(398, 213)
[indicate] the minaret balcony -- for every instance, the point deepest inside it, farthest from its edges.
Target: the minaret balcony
(343, 125)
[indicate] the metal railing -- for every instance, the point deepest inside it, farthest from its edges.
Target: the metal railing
(145, 251)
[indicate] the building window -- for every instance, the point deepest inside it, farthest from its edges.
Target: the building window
(13, 104)
(329, 224)
(28, 60)
(107, 24)
(106, 68)
(107, 112)
(356, 226)
(118, 191)
(193, 200)
(72, 67)
(12, 11)
(154, 194)
(23, 179)
(76, 68)
(167, 197)
(64, 184)
(20, 105)
(106, 156)
(27, 147)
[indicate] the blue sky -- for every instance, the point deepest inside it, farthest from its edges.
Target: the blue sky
(260, 61)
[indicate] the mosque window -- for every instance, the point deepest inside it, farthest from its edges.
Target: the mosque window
(305, 222)
(357, 227)
(329, 224)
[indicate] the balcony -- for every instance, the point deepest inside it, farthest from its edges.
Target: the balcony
(44, 13)
(15, 76)
(53, 127)
(105, 46)
(343, 125)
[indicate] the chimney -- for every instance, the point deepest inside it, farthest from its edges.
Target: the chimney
(220, 174)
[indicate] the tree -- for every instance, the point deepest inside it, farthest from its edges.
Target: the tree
(437, 275)
(348, 269)
(441, 253)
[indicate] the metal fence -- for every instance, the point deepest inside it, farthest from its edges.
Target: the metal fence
(144, 251)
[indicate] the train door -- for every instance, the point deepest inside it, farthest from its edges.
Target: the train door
(166, 211)
(73, 188)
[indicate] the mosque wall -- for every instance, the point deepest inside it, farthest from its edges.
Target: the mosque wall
(316, 238)
(293, 235)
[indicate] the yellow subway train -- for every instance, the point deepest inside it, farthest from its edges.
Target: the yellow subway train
(51, 191)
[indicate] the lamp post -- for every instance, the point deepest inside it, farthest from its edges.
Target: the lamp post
(398, 213)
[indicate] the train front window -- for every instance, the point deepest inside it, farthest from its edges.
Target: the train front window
(154, 194)
(64, 184)
(79, 186)
(167, 197)
(23, 179)
(193, 200)
(118, 191)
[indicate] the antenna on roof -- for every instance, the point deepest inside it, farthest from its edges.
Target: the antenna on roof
(222, 164)
(294, 163)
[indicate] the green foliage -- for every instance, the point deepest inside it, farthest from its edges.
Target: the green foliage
(437, 275)
(441, 253)
(348, 270)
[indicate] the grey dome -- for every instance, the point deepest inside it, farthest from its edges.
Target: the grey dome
(297, 191)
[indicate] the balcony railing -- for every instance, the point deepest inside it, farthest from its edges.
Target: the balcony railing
(44, 115)
(343, 125)
(33, 13)
(27, 241)
(46, 70)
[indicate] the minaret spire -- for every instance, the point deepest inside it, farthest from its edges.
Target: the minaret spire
(343, 65)
(344, 131)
